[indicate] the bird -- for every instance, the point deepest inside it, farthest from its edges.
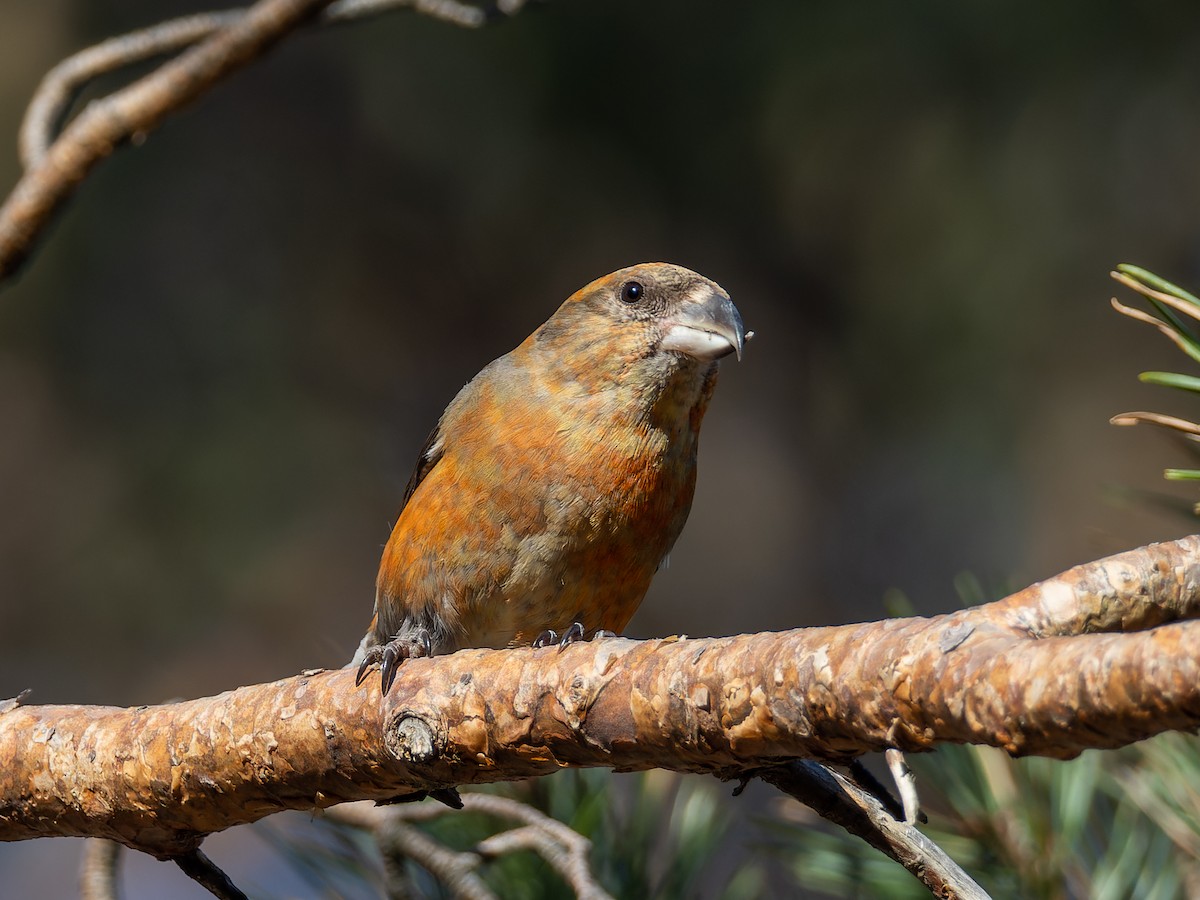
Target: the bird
(558, 479)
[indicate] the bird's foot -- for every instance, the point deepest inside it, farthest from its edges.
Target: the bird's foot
(575, 633)
(390, 655)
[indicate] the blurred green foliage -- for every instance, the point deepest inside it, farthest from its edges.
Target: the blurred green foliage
(1106, 825)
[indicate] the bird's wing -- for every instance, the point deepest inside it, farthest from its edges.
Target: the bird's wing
(428, 458)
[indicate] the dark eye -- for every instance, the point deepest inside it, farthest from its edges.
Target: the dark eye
(632, 291)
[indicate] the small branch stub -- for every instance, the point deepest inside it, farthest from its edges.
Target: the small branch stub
(412, 740)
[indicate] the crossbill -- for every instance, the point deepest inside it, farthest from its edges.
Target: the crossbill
(558, 479)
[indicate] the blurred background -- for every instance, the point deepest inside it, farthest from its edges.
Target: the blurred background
(216, 373)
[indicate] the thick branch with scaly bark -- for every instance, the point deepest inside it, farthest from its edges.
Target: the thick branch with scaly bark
(1099, 657)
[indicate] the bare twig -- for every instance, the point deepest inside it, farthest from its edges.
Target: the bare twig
(133, 112)
(839, 800)
(453, 870)
(63, 83)
(398, 839)
(906, 785)
(205, 873)
(560, 858)
(865, 779)
(98, 870)
(220, 43)
(565, 849)
(455, 12)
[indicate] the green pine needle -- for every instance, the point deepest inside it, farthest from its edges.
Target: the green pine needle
(1174, 307)
(1159, 284)
(1172, 379)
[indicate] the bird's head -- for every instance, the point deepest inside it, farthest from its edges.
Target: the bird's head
(648, 321)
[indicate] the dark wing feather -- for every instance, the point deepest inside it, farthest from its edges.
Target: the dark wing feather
(430, 454)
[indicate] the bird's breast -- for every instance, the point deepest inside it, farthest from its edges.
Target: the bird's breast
(540, 514)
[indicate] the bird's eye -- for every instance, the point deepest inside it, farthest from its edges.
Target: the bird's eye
(632, 291)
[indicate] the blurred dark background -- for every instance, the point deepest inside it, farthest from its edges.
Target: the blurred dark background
(217, 372)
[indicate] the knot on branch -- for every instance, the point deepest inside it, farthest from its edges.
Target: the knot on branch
(414, 737)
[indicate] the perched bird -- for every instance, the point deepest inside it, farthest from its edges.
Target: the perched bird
(559, 478)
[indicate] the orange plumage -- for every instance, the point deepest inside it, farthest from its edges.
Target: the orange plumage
(559, 478)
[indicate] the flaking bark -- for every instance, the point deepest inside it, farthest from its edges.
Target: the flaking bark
(1057, 668)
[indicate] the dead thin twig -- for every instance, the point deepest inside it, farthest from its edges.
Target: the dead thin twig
(205, 873)
(213, 45)
(132, 112)
(59, 87)
(837, 799)
(565, 849)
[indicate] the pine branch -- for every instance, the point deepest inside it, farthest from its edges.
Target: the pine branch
(1100, 656)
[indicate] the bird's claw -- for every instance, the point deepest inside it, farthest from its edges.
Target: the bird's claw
(392, 654)
(575, 633)
(372, 656)
(571, 635)
(391, 664)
